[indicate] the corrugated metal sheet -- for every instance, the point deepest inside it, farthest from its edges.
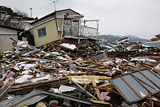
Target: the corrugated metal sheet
(135, 86)
(31, 98)
(125, 90)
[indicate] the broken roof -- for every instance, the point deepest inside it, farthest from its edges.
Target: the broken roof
(57, 12)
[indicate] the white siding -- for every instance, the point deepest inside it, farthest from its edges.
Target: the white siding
(4, 31)
(6, 42)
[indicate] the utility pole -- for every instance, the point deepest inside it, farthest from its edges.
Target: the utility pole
(54, 2)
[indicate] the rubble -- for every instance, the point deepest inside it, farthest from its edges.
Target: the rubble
(68, 73)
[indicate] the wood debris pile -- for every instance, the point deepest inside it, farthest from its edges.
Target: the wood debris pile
(68, 73)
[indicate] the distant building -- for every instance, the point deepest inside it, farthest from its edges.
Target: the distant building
(13, 26)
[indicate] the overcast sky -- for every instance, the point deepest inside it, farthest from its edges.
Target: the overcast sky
(140, 18)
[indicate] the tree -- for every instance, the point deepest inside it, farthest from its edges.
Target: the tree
(21, 13)
(6, 10)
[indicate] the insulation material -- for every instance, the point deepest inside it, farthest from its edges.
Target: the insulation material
(157, 67)
(24, 78)
(41, 78)
(67, 45)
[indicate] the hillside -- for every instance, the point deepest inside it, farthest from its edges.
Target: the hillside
(113, 38)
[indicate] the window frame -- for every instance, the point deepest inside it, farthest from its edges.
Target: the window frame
(42, 32)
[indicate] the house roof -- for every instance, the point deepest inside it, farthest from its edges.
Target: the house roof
(53, 14)
(7, 27)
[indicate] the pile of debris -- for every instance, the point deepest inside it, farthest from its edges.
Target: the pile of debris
(68, 73)
(157, 38)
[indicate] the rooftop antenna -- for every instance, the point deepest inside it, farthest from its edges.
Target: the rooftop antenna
(31, 12)
(54, 2)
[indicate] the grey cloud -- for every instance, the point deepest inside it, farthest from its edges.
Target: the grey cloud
(120, 17)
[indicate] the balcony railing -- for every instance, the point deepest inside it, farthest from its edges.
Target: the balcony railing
(82, 31)
(89, 32)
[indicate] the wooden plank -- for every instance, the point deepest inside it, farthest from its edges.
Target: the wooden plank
(5, 86)
(4, 89)
(94, 69)
(68, 58)
(25, 88)
(37, 83)
(13, 40)
(100, 102)
(104, 85)
(65, 96)
(96, 89)
(88, 79)
(82, 88)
